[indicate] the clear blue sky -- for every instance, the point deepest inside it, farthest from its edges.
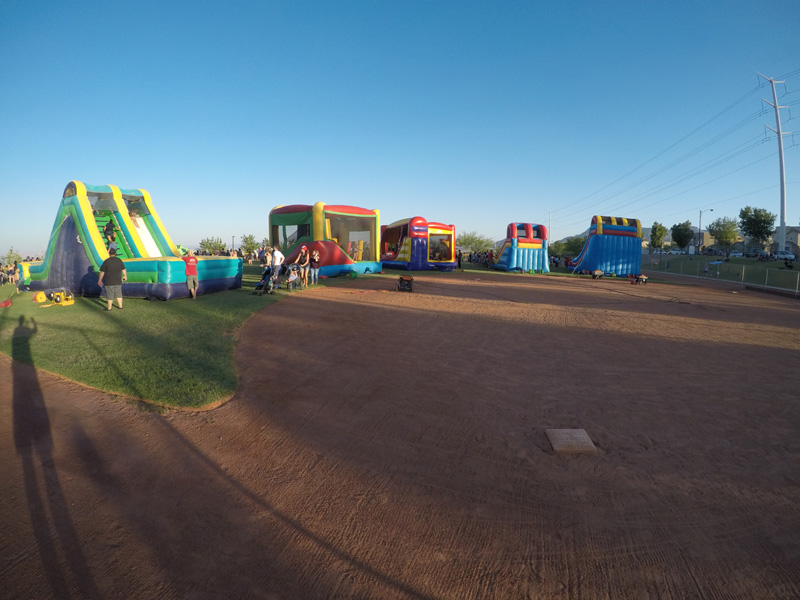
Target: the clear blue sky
(472, 113)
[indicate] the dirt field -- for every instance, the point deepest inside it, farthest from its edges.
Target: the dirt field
(389, 445)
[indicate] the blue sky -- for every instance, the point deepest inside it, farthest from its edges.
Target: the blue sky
(472, 113)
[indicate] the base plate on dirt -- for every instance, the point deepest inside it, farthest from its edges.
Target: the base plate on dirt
(570, 441)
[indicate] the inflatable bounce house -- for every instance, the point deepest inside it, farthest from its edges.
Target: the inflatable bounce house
(345, 236)
(524, 249)
(614, 246)
(78, 246)
(418, 245)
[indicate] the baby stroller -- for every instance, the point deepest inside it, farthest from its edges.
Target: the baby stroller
(267, 283)
(292, 273)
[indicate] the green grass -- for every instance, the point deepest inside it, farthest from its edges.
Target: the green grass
(176, 354)
(771, 274)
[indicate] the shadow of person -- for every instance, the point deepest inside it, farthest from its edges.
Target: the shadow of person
(88, 285)
(34, 445)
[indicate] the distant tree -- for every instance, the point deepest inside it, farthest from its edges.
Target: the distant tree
(724, 231)
(249, 243)
(557, 249)
(472, 241)
(573, 246)
(657, 234)
(682, 234)
(265, 243)
(212, 245)
(11, 256)
(758, 224)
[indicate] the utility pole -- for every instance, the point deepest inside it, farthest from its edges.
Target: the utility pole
(777, 130)
(700, 229)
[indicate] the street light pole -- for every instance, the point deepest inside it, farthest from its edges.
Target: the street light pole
(700, 229)
(233, 246)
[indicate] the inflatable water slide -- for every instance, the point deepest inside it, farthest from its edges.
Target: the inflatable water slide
(614, 246)
(418, 245)
(524, 249)
(346, 237)
(78, 246)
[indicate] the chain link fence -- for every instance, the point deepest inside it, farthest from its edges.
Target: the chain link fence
(778, 280)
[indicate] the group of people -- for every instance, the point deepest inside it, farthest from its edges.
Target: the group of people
(9, 274)
(303, 272)
(482, 258)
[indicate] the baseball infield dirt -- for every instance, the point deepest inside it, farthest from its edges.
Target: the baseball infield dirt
(391, 445)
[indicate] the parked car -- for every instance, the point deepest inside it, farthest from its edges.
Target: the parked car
(675, 251)
(784, 255)
(735, 254)
(754, 253)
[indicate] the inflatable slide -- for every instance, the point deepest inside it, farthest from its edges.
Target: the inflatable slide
(346, 237)
(78, 245)
(614, 246)
(418, 245)
(524, 249)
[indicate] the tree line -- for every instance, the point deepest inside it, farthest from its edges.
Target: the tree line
(248, 244)
(755, 224)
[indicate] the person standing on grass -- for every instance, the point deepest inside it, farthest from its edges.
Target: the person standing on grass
(314, 266)
(112, 274)
(303, 262)
(191, 274)
(277, 260)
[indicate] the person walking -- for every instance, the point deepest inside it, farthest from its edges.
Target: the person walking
(112, 274)
(191, 274)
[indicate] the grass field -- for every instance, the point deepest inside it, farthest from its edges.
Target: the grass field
(769, 274)
(172, 354)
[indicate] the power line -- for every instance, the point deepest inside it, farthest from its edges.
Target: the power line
(719, 160)
(673, 145)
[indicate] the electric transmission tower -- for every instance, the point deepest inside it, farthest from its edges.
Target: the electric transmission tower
(777, 130)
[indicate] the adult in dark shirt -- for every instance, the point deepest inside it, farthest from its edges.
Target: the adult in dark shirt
(112, 274)
(303, 261)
